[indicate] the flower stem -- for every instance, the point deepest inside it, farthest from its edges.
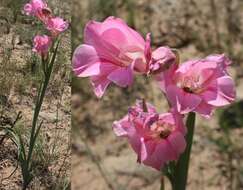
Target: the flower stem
(162, 183)
(182, 166)
(26, 166)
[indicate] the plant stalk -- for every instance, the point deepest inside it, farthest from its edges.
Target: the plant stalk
(182, 166)
(162, 183)
(47, 67)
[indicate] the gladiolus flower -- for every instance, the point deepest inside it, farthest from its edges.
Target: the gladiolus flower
(42, 44)
(34, 7)
(199, 85)
(156, 138)
(56, 25)
(112, 53)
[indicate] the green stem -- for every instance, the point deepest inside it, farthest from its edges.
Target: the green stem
(47, 67)
(36, 114)
(27, 166)
(162, 183)
(182, 166)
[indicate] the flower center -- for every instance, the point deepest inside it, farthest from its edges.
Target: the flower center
(161, 130)
(190, 84)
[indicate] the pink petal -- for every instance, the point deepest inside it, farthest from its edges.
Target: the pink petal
(146, 150)
(165, 54)
(132, 36)
(221, 59)
(178, 120)
(99, 84)
(139, 66)
(84, 55)
(164, 79)
(182, 101)
(222, 93)
(227, 88)
(115, 37)
(167, 117)
(122, 127)
(194, 67)
(112, 38)
(178, 143)
(204, 110)
(162, 154)
(88, 70)
(93, 37)
(122, 77)
(148, 50)
(186, 66)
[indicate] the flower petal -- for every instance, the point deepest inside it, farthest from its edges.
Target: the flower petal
(178, 143)
(204, 110)
(122, 77)
(85, 61)
(221, 93)
(162, 153)
(182, 101)
(227, 88)
(99, 84)
(121, 127)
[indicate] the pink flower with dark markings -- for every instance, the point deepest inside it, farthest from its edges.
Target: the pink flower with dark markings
(42, 44)
(56, 25)
(112, 52)
(156, 138)
(199, 85)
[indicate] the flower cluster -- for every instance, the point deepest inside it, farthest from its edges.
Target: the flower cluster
(114, 53)
(55, 25)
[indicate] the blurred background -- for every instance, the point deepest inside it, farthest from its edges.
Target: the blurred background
(101, 161)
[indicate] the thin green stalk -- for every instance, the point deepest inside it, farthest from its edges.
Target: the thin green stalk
(26, 166)
(36, 115)
(162, 183)
(26, 162)
(182, 166)
(39, 103)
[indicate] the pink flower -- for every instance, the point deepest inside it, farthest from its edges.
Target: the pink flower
(42, 44)
(156, 138)
(34, 7)
(199, 85)
(111, 53)
(56, 25)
